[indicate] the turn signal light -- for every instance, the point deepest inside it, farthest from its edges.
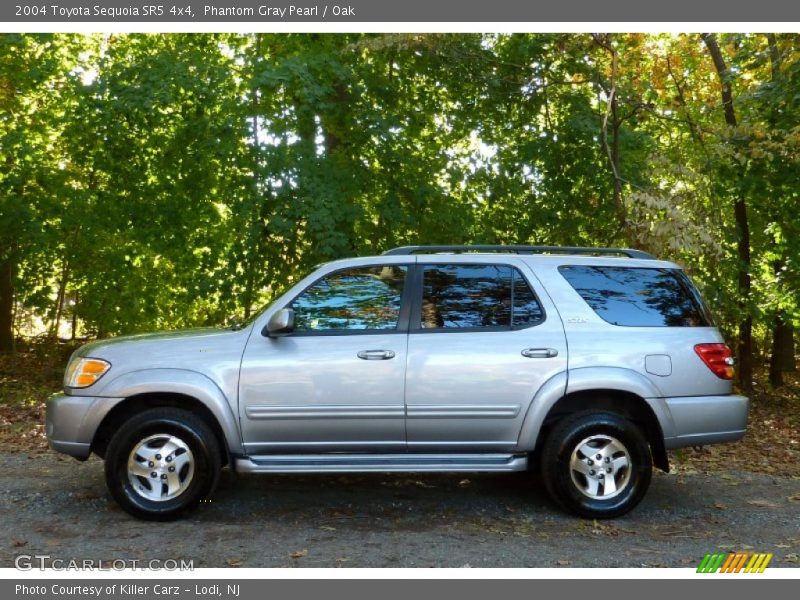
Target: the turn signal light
(83, 372)
(718, 358)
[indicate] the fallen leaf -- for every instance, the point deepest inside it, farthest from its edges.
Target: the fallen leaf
(20, 543)
(234, 562)
(299, 553)
(87, 495)
(464, 482)
(720, 506)
(762, 503)
(563, 563)
(795, 498)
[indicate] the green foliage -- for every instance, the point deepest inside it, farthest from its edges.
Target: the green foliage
(154, 181)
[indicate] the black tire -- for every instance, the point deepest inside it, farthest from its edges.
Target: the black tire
(564, 484)
(195, 434)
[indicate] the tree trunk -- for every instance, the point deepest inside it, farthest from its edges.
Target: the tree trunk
(74, 318)
(774, 56)
(335, 131)
(6, 305)
(787, 361)
(782, 356)
(252, 262)
(611, 147)
(744, 349)
(59, 306)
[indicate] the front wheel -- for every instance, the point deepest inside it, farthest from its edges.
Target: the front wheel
(596, 464)
(162, 463)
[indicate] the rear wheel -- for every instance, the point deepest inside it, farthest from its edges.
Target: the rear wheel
(596, 464)
(162, 463)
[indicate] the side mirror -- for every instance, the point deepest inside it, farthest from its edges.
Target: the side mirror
(281, 323)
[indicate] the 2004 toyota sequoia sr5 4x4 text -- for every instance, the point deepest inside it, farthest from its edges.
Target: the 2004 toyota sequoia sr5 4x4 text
(589, 362)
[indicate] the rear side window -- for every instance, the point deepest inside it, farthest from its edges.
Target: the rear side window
(477, 296)
(639, 297)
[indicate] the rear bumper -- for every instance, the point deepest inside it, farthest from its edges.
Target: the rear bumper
(701, 420)
(71, 422)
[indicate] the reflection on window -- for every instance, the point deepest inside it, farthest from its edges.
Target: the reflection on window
(469, 296)
(360, 298)
(527, 309)
(638, 296)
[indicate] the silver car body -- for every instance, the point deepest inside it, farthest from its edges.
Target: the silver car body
(445, 401)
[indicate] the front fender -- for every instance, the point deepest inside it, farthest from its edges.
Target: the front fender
(185, 382)
(587, 379)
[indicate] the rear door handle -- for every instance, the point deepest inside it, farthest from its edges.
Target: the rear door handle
(376, 354)
(539, 352)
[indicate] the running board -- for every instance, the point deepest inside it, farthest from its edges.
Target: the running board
(382, 463)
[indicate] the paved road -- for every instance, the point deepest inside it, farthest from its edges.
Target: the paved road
(57, 506)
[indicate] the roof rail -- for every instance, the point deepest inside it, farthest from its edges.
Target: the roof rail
(518, 249)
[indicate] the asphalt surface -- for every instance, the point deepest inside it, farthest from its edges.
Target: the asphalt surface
(57, 506)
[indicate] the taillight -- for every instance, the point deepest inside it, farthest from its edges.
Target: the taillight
(718, 358)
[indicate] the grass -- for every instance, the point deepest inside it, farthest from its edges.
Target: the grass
(772, 443)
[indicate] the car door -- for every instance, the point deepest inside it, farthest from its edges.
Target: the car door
(336, 382)
(483, 338)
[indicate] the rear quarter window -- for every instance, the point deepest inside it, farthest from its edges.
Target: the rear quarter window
(639, 297)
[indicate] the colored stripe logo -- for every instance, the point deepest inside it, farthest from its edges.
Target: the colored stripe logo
(735, 562)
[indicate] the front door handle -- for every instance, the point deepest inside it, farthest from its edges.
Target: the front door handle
(539, 352)
(376, 354)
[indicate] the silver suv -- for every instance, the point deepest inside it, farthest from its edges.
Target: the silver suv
(589, 363)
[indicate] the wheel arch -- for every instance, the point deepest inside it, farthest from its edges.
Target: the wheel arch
(176, 388)
(629, 405)
(616, 390)
(133, 405)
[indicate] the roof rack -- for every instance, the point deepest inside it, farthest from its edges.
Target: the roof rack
(517, 249)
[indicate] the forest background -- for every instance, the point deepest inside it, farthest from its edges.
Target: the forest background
(155, 181)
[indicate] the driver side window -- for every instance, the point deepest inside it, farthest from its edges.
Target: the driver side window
(356, 298)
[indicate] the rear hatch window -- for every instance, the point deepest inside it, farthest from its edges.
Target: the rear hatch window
(639, 297)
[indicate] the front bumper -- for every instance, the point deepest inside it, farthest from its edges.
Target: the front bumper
(701, 420)
(72, 421)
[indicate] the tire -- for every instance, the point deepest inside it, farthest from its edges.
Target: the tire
(176, 446)
(572, 473)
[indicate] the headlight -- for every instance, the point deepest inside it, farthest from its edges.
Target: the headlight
(83, 372)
